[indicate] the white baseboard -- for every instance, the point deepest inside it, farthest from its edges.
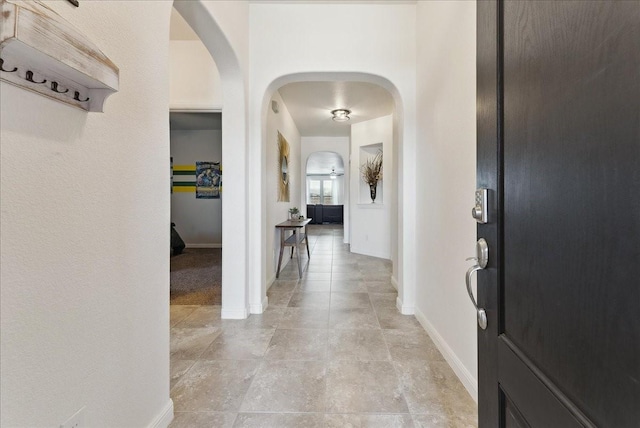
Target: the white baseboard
(394, 282)
(260, 308)
(164, 418)
(365, 252)
(234, 313)
(204, 245)
(404, 309)
(271, 281)
(467, 379)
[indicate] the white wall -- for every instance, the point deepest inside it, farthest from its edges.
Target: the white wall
(447, 156)
(198, 221)
(293, 42)
(339, 145)
(371, 229)
(277, 212)
(396, 232)
(194, 77)
(84, 284)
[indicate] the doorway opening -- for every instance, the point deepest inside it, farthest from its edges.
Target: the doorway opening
(324, 188)
(196, 208)
(206, 91)
(196, 169)
(331, 153)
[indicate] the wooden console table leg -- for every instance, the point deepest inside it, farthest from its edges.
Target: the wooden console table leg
(281, 252)
(298, 256)
(306, 238)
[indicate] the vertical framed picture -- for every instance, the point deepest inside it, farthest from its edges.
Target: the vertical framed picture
(283, 169)
(208, 180)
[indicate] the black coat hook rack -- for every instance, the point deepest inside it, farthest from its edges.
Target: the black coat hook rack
(6, 71)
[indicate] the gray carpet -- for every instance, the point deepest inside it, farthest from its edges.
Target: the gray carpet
(196, 277)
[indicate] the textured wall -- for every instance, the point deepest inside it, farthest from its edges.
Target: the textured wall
(194, 77)
(447, 156)
(84, 284)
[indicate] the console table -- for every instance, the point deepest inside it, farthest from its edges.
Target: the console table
(297, 238)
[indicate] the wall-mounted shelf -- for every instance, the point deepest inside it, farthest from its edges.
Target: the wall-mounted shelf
(41, 52)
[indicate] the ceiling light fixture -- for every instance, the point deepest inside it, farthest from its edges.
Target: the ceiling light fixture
(341, 114)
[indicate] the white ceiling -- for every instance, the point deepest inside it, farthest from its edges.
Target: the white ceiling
(324, 162)
(310, 104)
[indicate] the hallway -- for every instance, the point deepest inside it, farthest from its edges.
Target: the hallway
(330, 351)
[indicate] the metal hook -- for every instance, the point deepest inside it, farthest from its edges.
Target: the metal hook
(76, 97)
(54, 88)
(29, 77)
(6, 71)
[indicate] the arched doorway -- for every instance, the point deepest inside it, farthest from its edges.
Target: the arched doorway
(401, 238)
(201, 17)
(323, 166)
(326, 189)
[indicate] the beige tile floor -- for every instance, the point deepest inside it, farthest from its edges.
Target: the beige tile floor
(330, 351)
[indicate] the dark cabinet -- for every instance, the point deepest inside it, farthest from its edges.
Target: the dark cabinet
(333, 214)
(326, 214)
(311, 213)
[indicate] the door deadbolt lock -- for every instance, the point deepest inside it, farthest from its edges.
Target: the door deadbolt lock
(480, 211)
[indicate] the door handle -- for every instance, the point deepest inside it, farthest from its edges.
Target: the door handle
(481, 313)
(482, 251)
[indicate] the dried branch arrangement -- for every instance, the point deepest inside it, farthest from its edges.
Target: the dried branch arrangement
(371, 169)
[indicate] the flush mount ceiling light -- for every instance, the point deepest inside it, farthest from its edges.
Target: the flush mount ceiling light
(341, 114)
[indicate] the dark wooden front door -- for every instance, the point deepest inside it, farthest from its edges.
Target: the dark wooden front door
(559, 151)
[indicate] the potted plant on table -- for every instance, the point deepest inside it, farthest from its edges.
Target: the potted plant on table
(294, 213)
(371, 171)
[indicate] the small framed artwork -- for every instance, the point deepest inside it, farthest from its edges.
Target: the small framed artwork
(208, 180)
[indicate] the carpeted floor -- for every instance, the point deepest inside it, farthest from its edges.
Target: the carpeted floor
(196, 277)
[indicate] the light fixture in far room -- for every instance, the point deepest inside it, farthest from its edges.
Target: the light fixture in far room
(341, 114)
(333, 174)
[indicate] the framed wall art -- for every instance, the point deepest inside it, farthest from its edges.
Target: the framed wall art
(283, 169)
(208, 180)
